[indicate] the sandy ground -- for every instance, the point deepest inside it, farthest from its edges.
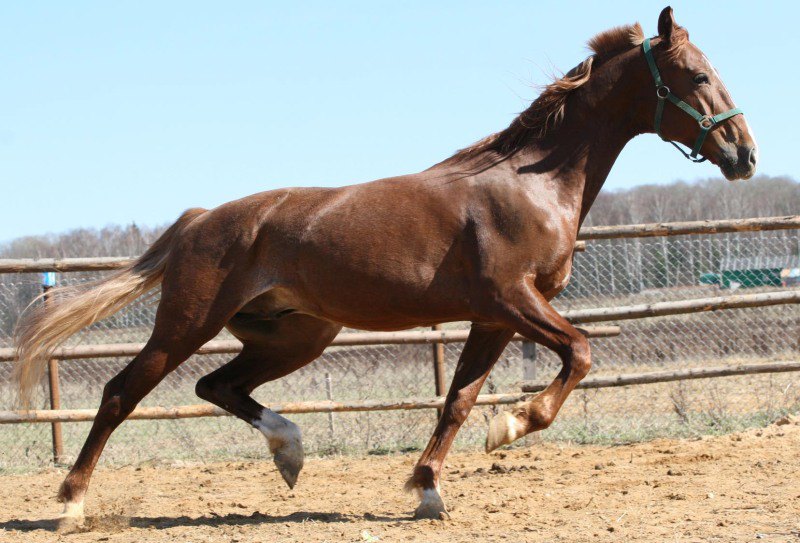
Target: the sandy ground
(741, 487)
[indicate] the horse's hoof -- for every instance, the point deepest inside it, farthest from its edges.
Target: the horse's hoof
(504, 428)
(70, 525)
(289, 461)
(72, 519)
(431, 506)
(285, 443)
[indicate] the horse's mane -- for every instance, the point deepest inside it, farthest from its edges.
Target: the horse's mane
(546, 113)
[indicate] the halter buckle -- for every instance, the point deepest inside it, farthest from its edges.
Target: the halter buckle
(662, 89)
(706, 122)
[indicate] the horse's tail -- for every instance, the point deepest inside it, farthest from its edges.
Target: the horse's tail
(40, 331)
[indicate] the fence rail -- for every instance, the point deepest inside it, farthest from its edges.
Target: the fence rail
(698, 305)
(35, 265)
(349, 339)
(206, 410)
(599, 314)
(650, 230)
(649, 378)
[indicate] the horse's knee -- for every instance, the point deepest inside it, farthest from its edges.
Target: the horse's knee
(582, 358)
(458, 410)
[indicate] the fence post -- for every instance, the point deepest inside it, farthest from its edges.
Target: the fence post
(48, 282)
(438, 367)
(528, 361)
(329, 395)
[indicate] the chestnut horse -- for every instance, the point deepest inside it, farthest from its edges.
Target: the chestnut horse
(485, 236)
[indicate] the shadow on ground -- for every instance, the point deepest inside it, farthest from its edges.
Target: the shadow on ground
(117, 522)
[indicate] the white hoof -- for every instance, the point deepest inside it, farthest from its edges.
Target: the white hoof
(504, 428)
(431, 506)
(285, 442)
(72, 519)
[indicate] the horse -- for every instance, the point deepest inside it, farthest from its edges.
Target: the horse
(485, 236)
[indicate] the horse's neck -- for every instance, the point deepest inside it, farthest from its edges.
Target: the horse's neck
(580, 154)
(601, 148)
(575, 159)
(575, 165)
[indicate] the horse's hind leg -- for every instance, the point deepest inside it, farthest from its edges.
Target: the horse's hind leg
(120, 397)
(176, 336)
(272, 349)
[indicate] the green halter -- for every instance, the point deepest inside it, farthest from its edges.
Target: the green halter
(706, 122)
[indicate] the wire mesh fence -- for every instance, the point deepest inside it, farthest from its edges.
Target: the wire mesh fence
(609, 273)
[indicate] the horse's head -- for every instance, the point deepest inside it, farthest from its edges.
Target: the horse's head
(711, 126)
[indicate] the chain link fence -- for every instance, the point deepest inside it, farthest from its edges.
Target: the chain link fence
(609, 273)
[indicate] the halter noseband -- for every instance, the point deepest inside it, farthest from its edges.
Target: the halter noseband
(706, 122)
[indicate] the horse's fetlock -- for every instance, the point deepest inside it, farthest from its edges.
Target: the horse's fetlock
(540, 415)
(540, 420)
(424, 476)
(68, 491)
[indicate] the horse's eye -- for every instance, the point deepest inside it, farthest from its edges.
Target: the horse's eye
(700, 79)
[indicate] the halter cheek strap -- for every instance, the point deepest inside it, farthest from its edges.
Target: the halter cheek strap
(706, 122)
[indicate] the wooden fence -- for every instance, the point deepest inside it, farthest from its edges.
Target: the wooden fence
(328, 406)
(439, 337)
(349, 339)
(436, 337)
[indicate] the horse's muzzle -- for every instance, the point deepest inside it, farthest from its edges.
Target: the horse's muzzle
(738, 162)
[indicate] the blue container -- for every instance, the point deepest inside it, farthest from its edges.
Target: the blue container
(49, 279)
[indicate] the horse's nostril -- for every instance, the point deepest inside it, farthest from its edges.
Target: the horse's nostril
(753, 157)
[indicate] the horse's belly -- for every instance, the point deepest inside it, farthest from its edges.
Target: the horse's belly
(391, 307)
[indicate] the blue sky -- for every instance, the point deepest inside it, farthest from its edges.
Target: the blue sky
(116, 112)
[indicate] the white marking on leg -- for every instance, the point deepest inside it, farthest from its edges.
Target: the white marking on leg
(515, 427)
(278, 430)
(71, 520)
(73, 510)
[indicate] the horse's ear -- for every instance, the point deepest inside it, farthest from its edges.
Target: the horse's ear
(666, 23)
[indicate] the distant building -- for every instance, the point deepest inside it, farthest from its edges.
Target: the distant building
(757, 271)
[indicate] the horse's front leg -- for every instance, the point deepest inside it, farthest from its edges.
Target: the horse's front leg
(526, 311)
(483, 347)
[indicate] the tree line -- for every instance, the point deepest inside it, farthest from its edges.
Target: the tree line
(761, 196)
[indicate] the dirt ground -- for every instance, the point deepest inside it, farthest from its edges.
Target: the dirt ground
(740, 487)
